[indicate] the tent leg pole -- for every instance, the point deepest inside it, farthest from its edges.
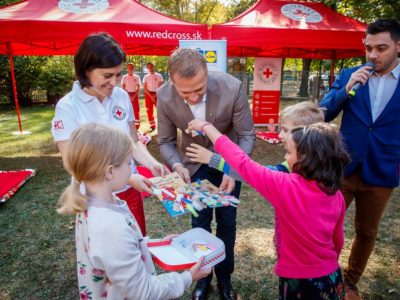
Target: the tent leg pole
(332, 75)
(14, 86)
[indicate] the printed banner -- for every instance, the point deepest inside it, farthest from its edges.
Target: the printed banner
(214, 51)
(266, 90)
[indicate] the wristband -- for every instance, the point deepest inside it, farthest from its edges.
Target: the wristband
(204, 125)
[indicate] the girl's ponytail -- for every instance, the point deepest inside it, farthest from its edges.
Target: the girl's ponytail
(91, 149)
(72, 201)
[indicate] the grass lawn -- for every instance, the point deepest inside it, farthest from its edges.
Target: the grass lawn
(37, 256)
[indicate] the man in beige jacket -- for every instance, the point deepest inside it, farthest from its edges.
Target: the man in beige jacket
(194, 93)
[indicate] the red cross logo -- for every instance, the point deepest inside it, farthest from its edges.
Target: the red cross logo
(267, 73)
(301, 13)
(118, 112)
(83, 4)
(58, 124)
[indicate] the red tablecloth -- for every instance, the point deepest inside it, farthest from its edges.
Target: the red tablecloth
(11, 181)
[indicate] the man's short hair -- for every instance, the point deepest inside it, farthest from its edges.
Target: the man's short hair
(186, 63)
(385, 25)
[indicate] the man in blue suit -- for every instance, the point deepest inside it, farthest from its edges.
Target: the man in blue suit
(371, 131)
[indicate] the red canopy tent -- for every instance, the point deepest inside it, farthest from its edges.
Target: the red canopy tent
(57, 27)
(278, 28)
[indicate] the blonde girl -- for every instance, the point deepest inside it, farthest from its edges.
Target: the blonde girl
(113, 261)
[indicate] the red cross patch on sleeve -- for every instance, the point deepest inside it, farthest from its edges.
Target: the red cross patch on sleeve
(57, 125)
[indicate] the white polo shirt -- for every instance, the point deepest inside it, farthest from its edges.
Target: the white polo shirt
(131, 82)
(78, 108)
(153, 81)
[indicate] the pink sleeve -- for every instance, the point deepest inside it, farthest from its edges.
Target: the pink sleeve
(338, 234)
(266, 182)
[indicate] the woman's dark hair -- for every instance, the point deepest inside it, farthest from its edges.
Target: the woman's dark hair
(321, 155)
(98, 50)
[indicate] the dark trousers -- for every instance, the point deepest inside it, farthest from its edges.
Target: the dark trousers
(226, 222)
(370, 204)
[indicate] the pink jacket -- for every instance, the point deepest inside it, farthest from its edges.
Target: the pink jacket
(309, 223)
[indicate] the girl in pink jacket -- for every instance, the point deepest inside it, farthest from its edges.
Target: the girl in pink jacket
(308, 205)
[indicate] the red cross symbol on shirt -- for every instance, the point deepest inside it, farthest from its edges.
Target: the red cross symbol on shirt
(267, 73)
(83, 4)
(118, 112)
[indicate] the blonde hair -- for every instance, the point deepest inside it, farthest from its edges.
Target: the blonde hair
(303, 114)
(91, 149)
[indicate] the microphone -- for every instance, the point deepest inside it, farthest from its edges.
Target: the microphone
(358, 84)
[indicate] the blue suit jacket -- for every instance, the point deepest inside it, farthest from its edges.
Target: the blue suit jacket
(374, 145)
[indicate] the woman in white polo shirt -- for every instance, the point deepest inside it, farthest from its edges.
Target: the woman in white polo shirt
(96, 98)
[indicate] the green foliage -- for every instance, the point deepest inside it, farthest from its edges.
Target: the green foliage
(236, 7)
(200, 11)
(52, 74)
(57, 77)
(27, 71)
(368, 11)
(7, 2)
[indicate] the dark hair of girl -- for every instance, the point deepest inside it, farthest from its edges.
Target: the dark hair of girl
(321, 155)
(98, 50)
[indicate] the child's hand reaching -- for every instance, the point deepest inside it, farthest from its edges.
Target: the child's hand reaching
(141, 183)
(199, 154)
(197, 124)
(205, 127)
(196, 271)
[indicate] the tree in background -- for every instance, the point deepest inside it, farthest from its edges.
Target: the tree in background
(56, 77)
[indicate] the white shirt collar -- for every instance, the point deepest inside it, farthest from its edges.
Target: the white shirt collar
(82, 95)
(395, 72)
(204, 99)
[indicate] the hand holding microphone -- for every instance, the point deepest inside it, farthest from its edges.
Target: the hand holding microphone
(358, 78)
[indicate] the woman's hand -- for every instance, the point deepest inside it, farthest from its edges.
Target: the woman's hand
(199, 154)
(141, 183)
(158, 169)
(196, 271)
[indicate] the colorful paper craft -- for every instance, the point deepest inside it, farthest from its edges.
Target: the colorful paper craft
(180, 198)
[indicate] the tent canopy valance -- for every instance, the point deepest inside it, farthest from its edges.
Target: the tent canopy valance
(57, 27)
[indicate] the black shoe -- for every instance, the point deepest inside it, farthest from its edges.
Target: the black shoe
(226, 292)
(201, 290)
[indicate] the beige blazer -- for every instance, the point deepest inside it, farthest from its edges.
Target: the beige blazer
(227, 108)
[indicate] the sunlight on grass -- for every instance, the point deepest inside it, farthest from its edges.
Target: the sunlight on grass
(37, 120)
